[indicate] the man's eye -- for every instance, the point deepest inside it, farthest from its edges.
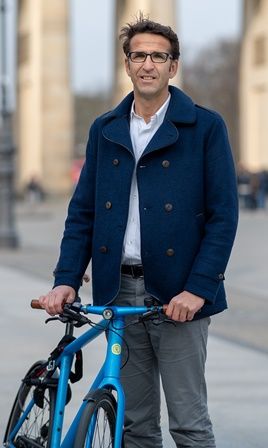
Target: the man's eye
(159, 57)
(138, 56)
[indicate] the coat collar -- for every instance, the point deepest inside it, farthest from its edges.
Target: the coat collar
(181, 110)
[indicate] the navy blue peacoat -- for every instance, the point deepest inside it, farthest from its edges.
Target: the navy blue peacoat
(187, 199)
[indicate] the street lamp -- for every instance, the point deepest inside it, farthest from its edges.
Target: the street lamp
(8, 237)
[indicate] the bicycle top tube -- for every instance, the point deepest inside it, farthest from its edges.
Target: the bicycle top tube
(118, 311)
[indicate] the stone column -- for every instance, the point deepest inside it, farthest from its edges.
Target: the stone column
(45, 111)
(254, 86)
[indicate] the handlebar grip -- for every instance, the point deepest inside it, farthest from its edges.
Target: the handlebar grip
(36, 305)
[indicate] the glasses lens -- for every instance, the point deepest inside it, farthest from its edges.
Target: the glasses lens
(156, 56)
(137, 56)
(159, 57)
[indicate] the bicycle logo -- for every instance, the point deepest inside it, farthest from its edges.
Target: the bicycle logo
(116, 349)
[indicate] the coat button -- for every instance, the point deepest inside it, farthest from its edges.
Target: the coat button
(108, 205)
(103, 249)
(220, 276)
(115, 162)
(165, 163)
(170, 252)
(168, 207)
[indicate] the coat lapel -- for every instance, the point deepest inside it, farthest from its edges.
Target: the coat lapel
(117, 127)
(166, 135)
(181, 110)
(117, 131)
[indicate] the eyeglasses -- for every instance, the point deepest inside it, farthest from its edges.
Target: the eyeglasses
(157, 57)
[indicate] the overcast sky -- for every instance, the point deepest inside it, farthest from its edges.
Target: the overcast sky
(199, 23)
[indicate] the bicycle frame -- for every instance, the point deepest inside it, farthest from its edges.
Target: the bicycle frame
(107, 377)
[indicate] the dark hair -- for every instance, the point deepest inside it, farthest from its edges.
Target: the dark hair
(145, 25)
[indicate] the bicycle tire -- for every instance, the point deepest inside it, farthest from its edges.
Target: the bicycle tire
(101, 407)
(36, 429)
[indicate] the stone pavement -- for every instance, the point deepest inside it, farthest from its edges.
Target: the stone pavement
(237, 367)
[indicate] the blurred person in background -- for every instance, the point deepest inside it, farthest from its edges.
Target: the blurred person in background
(34, 191)
(252, 188)
(263, 189)
(155, 209)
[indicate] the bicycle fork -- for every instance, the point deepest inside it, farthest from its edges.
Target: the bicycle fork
(65, 368)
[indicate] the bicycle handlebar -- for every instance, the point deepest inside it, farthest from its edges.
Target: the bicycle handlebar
(72, 313)
(36, 305)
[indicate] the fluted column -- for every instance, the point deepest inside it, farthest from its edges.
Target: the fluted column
(254, 87)
(44, 112)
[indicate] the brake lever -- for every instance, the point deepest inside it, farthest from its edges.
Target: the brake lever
(50, 319)
(78, 318)
(149, 315)
(156, 319)
(163, 321)
(68, 313)
(60, 318)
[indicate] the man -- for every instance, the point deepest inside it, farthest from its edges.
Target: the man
(156, 211)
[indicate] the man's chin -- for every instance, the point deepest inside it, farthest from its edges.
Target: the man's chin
(148, 92)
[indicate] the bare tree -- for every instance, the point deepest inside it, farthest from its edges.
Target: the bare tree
(212, 79)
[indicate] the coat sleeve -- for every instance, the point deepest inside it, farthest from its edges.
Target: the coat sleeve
(76, 244)
(221, 216)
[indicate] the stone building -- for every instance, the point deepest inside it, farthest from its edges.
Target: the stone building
(254, 86)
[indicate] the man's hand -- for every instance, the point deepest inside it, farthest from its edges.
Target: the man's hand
(183, 307)
(53, 301)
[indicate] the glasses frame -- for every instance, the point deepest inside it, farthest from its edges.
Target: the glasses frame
(168, 56)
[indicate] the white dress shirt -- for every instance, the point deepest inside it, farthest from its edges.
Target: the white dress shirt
(141, 133)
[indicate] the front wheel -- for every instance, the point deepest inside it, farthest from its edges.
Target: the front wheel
(96, 428)
(35, 431)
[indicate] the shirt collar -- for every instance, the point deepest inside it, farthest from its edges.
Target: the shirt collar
(158, 116)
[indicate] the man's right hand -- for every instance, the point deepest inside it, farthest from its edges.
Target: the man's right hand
(54, 301)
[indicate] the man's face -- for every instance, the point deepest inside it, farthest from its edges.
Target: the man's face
(150, 79)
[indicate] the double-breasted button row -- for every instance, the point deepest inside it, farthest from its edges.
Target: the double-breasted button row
(170, 252)
(165, 163)
(168, 207)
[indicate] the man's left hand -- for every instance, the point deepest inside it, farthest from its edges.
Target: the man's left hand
(183, 307)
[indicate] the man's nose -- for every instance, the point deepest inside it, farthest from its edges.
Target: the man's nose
(148, 63)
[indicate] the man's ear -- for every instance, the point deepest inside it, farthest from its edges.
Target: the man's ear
(127, 66)
(173, 68)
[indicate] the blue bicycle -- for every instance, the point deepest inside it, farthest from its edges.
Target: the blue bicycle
(37, 416)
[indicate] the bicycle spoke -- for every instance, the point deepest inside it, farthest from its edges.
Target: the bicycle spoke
(34, 431)
(104, 437)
